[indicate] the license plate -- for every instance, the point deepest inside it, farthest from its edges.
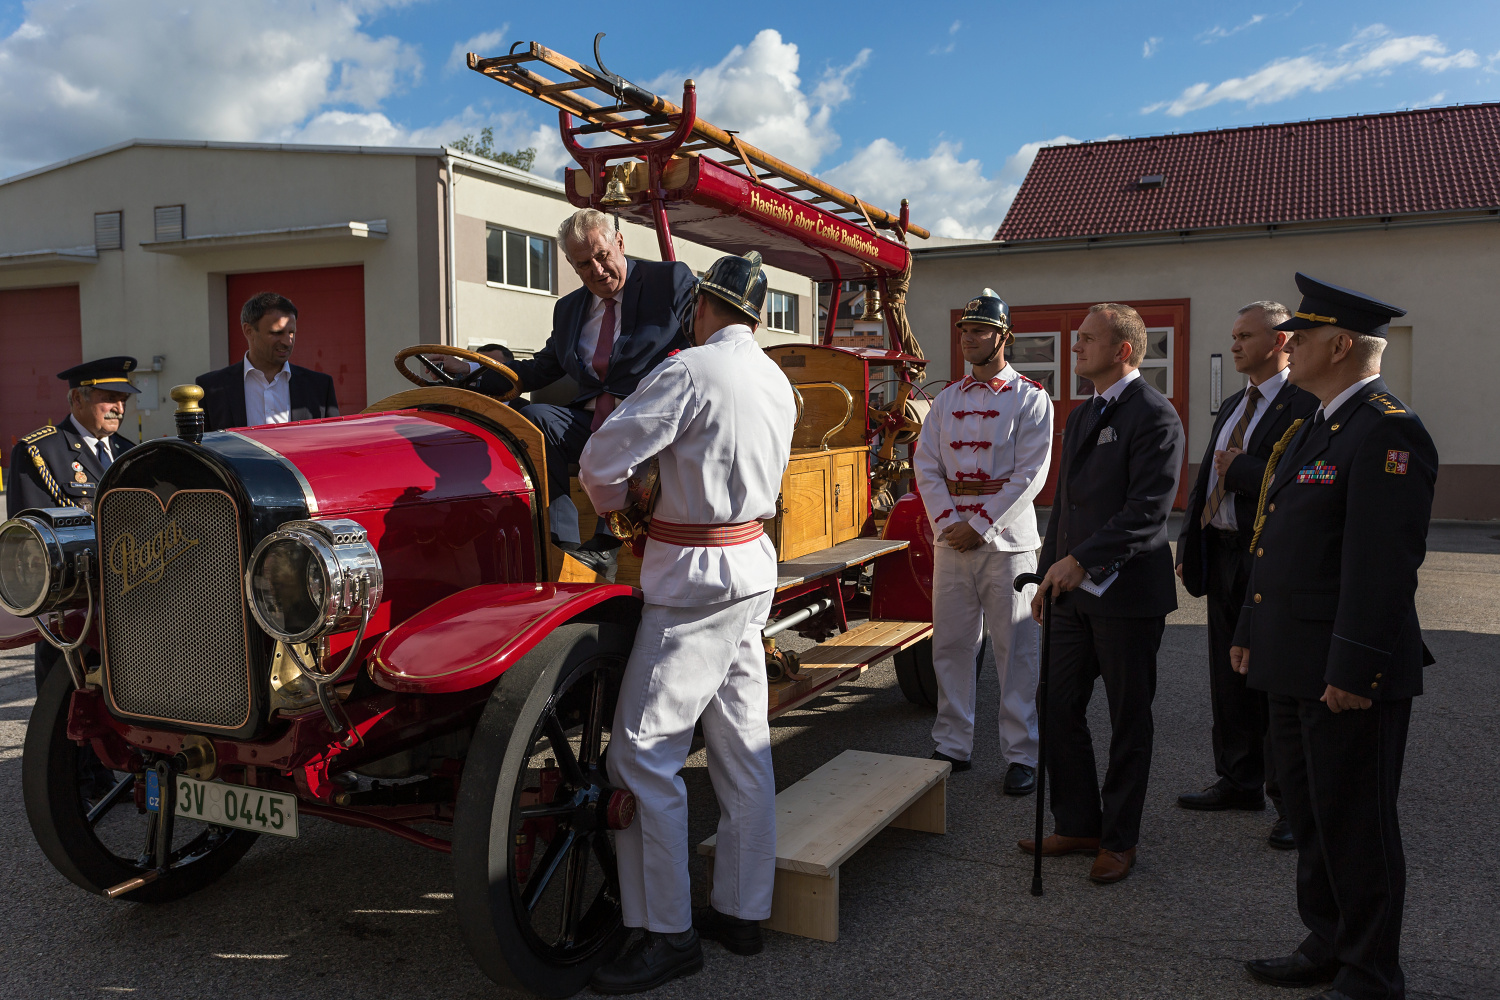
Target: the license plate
(236, 805)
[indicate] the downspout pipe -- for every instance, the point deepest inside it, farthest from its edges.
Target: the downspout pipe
(452, 296)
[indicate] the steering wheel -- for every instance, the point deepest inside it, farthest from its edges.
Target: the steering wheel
(438, 377)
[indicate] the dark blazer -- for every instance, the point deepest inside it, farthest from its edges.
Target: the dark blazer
(224, 396)
(1332, 592)
(1112, 501)
(58, 447)
(654, 296)
(1242, 480)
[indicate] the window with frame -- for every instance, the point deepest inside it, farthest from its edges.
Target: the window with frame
(1155, 368)
(781, 312)
(518, 260)
(1035, 356)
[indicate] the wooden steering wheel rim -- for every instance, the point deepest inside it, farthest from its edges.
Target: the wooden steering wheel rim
(456, 352)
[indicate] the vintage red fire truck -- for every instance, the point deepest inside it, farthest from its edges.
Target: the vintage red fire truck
(361, 619)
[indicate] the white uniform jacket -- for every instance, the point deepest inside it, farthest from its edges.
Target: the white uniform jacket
(1000, 429)
(720, 418)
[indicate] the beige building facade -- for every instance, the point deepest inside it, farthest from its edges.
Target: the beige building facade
(148, 249)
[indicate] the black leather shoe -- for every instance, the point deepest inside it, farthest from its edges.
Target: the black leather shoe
(958, 765)
(740, 936)
(650, 962)
(1281, 835)
(1020, 780)
(602, 561)
(1295, 970)
(1221, 796)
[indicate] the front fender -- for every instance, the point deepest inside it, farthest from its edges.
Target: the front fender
(469, 638)
(16, 632)
(902, 589)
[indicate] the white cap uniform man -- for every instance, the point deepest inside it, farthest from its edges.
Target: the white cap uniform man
(719, 418)
(981, 459)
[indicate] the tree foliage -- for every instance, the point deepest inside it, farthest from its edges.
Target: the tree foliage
(521, 159)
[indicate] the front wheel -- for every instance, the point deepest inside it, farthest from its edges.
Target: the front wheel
(97, 837)
(535, 883)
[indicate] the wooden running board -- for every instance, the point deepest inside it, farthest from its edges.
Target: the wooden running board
(844, 656)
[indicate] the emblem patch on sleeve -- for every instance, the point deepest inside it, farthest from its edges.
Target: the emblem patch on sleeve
(1319, 472)
(1396, 461)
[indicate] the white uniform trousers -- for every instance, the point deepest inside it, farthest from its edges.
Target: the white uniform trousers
(688, 663)
(970, 589)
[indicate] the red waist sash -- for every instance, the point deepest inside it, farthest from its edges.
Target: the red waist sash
(688, 535)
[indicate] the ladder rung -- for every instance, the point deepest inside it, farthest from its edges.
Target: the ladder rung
(554, 88)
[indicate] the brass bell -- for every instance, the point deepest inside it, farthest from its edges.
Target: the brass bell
(614, 191)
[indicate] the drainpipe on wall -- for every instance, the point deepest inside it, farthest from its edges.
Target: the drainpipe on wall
(452, 254)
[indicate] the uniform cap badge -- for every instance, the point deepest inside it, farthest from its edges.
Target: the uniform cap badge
(1396, 462)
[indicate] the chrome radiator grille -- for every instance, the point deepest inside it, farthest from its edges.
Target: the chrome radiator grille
(173, 615)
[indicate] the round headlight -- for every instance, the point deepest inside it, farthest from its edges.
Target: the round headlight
(39, 560)
(310, 579)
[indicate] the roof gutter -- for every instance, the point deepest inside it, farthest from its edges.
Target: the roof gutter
(1258, 233)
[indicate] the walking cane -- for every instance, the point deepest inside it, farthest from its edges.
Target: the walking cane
(1022, 582)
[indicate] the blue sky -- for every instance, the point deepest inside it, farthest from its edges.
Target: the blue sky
(942, 102)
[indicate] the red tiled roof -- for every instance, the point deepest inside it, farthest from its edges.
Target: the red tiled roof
(1433, 160)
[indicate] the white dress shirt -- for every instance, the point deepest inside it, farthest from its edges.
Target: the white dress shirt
(99, 446)
(1343, 397)
(1113, 392)
(267, 401)
(996, 429)
(720, 419)
(1225, 517)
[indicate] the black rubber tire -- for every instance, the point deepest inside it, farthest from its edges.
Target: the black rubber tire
(55, 809)
(915, 674)
(497, 928)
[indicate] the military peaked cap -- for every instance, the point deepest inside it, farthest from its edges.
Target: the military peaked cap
(988, 308)
(1329, 305)
(106, 373)
(739, 281)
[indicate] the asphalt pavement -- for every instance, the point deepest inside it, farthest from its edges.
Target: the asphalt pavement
(343, 912)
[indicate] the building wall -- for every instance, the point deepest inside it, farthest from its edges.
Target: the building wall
(142, 303)
(1445, 350)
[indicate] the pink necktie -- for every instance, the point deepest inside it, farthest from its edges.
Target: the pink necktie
(604, 402)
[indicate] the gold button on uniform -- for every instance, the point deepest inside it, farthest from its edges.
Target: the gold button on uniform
(1271, 508)
(1257, 598)
(1374, 684)
(1259, 553)
(1378, 676)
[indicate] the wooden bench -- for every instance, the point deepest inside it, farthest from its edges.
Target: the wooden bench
(833, 812)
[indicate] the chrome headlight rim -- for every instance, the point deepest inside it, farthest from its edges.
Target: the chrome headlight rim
(347, 565)
(62, 587)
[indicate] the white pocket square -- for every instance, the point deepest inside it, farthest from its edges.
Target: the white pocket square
(1107, 435)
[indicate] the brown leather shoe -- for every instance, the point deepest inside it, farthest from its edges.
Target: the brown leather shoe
(1111, 866)
(1056, 844)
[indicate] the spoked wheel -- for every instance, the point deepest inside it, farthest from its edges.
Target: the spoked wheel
(915, 674)
(535, 883)
(97, 836)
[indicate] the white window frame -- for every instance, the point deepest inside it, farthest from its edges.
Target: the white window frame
(504, 231)
(791, 310)
(1055, 367)
(1169, 362)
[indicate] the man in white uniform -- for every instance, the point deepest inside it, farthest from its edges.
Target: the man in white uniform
(719, 418)
(980, 460)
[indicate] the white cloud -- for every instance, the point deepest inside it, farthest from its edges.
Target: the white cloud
(1372, 52)
(756, 90)
(485, 43)
(949, 195)
(942, 50)
(1217, 31)
(1149, 49)
(78, 74)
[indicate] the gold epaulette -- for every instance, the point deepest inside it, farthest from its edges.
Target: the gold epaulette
(38, 434)
(1384, 403)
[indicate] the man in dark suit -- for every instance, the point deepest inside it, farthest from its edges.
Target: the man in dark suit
(1329, 631)
(1110, 572)
(606, 335)
(1213, 554)
(60, 465)
(265, 387)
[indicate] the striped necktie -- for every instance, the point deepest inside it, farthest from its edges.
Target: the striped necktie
(1236, 440)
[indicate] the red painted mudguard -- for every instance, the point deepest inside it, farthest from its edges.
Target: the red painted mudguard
(902, 590)
(16, 632)
(471, 637)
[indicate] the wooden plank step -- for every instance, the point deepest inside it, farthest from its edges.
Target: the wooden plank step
(833, 812)
(842, 657)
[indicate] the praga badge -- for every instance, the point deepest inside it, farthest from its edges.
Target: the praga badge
(1318, 472)
(1396, 461)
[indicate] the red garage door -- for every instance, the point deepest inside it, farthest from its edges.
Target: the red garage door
(40, 335)
(330, 305)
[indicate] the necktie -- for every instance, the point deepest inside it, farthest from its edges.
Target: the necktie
(1236, 440)
(102, 452)
(1091, 418)
(1318, 419)
(604, 402)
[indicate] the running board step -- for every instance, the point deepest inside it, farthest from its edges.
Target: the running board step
(843, 657)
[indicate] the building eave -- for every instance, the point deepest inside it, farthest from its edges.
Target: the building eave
(333, 232)
(70, 257)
